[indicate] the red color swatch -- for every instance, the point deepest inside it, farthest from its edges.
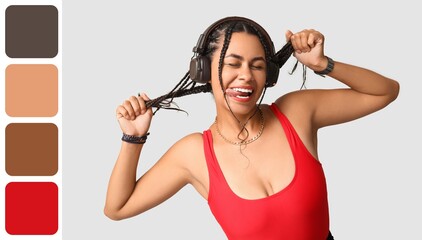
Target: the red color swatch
(31, 208)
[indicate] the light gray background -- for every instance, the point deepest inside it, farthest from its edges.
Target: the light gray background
(114, 49)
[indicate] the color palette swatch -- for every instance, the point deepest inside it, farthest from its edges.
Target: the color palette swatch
(31, 120)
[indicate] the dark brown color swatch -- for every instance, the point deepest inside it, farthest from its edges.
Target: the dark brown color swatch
(31, 31)
(31, 149)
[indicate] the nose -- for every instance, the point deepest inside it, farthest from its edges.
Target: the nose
(245, 72)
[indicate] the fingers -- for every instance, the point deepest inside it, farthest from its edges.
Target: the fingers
(121, 112)
(141, 99)
(288, 35)
(305, 40)
(144, 96)
(132, 107)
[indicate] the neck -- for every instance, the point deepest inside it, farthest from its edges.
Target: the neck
(235, 128)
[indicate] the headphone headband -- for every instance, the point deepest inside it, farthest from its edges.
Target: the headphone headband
(200, 46)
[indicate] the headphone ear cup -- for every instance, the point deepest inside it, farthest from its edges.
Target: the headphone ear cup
(272, 74)
(200, 69)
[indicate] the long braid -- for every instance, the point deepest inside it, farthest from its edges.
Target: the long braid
(227, 37)
(183, 88)
(281, 57)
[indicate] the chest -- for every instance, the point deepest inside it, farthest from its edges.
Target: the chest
(283, 195)
(259, 169)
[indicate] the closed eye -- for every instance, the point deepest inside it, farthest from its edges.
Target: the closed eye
(233, 64)
(258, 67)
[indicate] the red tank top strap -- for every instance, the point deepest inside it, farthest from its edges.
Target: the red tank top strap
(209, 154)
(216, 177)
(291, 135)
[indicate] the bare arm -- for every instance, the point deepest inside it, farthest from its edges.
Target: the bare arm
(368, 91)
(126, 196)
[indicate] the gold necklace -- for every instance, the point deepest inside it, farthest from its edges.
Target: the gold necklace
(248, 141)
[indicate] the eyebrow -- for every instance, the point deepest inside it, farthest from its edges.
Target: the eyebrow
(242, 58)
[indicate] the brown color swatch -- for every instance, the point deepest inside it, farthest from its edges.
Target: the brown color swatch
(31, 31)
(31, 149)
(31, 90)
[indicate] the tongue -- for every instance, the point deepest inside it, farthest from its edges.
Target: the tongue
(232, 93)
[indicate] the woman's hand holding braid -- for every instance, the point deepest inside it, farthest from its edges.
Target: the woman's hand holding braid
(133, 115)
(309, 48)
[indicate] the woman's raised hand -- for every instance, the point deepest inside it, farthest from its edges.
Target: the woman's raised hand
(133, 115)
(309, 48)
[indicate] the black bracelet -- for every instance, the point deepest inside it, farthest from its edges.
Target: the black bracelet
(328, 69)
(135, 139)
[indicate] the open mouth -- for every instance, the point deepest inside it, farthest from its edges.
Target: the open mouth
(239, 92)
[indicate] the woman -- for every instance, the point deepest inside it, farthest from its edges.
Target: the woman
(256, 165)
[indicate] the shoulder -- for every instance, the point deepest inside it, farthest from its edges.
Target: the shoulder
(190, 140)
(190, 155)
(188, 148)
(294, 100)
(298, 107)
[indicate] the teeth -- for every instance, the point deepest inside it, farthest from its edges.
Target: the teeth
(244, 90)
(242, 96)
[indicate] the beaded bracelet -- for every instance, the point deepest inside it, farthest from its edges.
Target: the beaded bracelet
(328, 69)
(135, 139)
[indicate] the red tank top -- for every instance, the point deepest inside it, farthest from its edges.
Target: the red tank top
(297, 212)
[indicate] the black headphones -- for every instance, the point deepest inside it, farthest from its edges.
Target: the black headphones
(200, 65)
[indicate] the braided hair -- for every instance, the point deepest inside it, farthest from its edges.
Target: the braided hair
(187, 87)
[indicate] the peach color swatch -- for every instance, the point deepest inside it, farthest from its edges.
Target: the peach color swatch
(31, 90)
